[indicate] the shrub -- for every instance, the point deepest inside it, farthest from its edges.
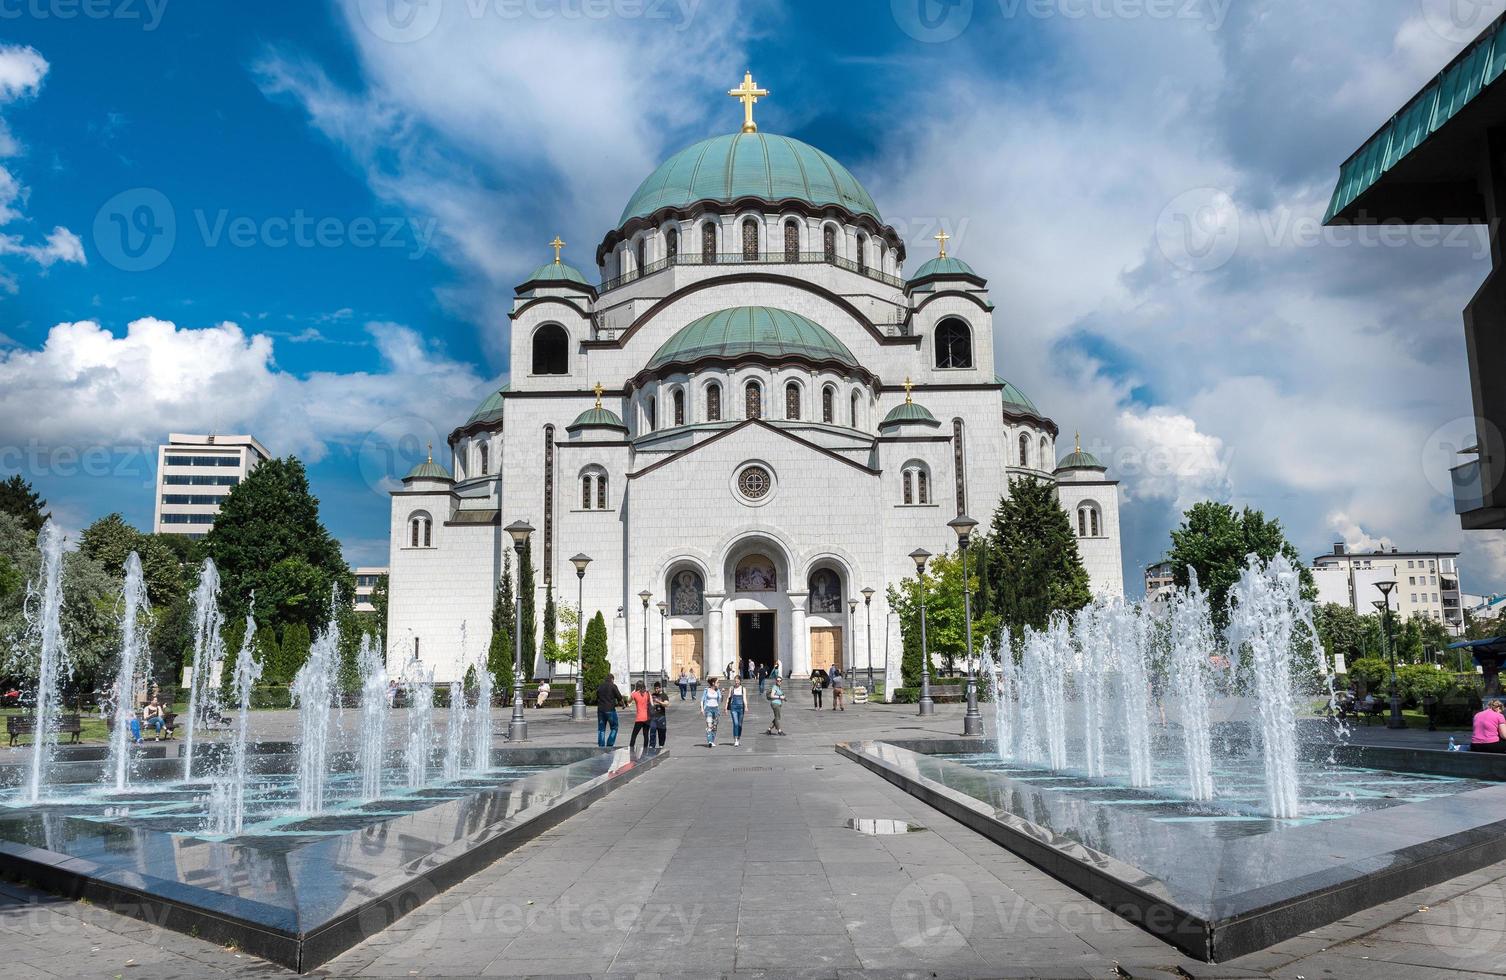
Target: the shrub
(1372, 673)
(907, 695)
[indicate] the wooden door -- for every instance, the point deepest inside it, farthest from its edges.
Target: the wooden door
(687, 648)
(826, 648)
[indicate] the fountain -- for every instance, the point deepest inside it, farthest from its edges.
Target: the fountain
(52, 659)
(481, 721)
(1094, 659)
(374, 708)
(1130, 628)
(227, 810)
(420, 687)
(313, 690)
(207, 650)
(131, 669)
(1191, 636)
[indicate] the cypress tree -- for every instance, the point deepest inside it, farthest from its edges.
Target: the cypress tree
(1036, 570)
(551, 628)
(499, 655)
(594, 655)
(529, 625)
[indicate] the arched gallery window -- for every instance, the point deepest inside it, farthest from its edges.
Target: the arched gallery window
(593, 489)
(791, 242)
(484, 456)
(854, 407)
(708, 242)
(713, 402)
(917, 483)
(640, 254)
(954, 344)
(829, 405)
(829, 243)
(679, 406)
(753, 398)
(672, 245)
(551, 350)
(792, 401)
(750, 241)
(1024, 450)
(651, 414)
(863, 253)
(1088, 521)
(420, 530)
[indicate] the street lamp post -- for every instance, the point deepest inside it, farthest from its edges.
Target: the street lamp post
(972, 722)
(1396, 720)
(645, 595)
(927, 707)
(517, 731)
(663, 611)
(578, 710)
(868, 631)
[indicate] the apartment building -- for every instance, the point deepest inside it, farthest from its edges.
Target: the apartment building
(1427, 582)
(194, 474)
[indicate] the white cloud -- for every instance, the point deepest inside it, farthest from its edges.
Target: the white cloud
(1166, 457)
(1354, 536)
(22, 70)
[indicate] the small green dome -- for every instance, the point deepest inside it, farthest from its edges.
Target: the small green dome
(947, 266)
(491, 409)
(909, 413)
(731, 334)
(1016, 400)
(772, 168)
(429, 470)
(1080, 460)
(596, 418)
(559, 272)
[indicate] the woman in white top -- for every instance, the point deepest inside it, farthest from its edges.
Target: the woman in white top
(711, 707)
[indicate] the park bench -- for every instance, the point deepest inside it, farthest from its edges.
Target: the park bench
(18, 726)
(169, 722)
(555, 699)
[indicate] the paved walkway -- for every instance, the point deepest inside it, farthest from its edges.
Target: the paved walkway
(739, 861)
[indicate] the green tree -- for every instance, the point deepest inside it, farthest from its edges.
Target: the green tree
(18, 498)
(946, 624)
(294, 652)
(551, 644)
(1034, 567)
(171, 640)
(596, 666)
(1343, 632)
(528, 626)
(109, 541)
(271, 519)
(566, 642)
(1216, 542)
(379, 601)
(88, 618)
(500, 654)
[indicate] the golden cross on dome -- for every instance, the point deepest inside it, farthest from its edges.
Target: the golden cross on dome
(908, 385)
(1078, 436)
(598, 389)
(556, 245)
(748, 93)
(943, 238)
(431, 450)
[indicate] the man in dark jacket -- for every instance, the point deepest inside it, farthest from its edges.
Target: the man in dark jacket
(607, 700)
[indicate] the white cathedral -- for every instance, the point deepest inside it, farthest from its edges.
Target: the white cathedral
(748, 425)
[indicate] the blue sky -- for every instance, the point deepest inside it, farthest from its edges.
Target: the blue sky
(1139, 181)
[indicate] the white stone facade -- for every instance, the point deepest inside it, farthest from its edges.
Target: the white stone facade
(835, 508)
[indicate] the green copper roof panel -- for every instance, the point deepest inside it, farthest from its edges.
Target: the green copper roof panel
(760, 165)
(1015, 398)
(597, 418)
(908, 413)
(752, 330)
(1475, 69)
(429, 471)
(1081, 461)
(943, 267)
(558, 272)
(491, 409)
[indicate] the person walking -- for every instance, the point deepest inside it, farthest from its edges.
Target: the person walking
(777, 672)
(684, 683)
(838, 683)
(731, 670)
(737, 703)
(711, 708)
(776, 706)
(817, 687)
(640, 715)
(658, 734)
(763, 676)
(694, 683)
(608, 697)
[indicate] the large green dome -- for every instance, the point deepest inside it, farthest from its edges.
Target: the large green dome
(761, 165)
(760, 330)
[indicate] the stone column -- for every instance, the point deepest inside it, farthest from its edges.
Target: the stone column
(713, 647)
(800, 637)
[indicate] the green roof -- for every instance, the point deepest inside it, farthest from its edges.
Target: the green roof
(1015, 399)
(596, 418)
(559, 272)
(944, 267)
(1081, 460)
(725, 168)
(1475, 69)
(429, 471)
(909, 413)
(491, 409)
(729, 334)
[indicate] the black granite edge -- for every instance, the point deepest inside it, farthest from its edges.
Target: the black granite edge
(357, 925)
(1428, 762)
(1186, 930)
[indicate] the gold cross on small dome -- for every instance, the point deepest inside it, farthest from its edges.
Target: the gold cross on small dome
(598, 389)
(556, 245)
(431, 450)
(908, 385)
(1078, 437)
(748, 93)
(943, 238)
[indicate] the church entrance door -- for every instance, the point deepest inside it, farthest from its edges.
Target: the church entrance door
(687, 650)
(756, 635)
(826, 648)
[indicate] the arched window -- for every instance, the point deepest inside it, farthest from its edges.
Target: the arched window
(791, 242)
(1088, 521)
(672, 245)
(792, 401)
(687, 591)
(640, 254)
(829, 243)
(954, 344)
(708, 242)
(829, 405)
(854, 410)
(1045, 452)
(551, 350)
(679, 406)
(1024, 450)
(420, 530)
(917, 483)
(753, 400)
(484, 455)
(593, 488)
(750, 241)
(713, 402)
(651, 414)
(863, 254)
